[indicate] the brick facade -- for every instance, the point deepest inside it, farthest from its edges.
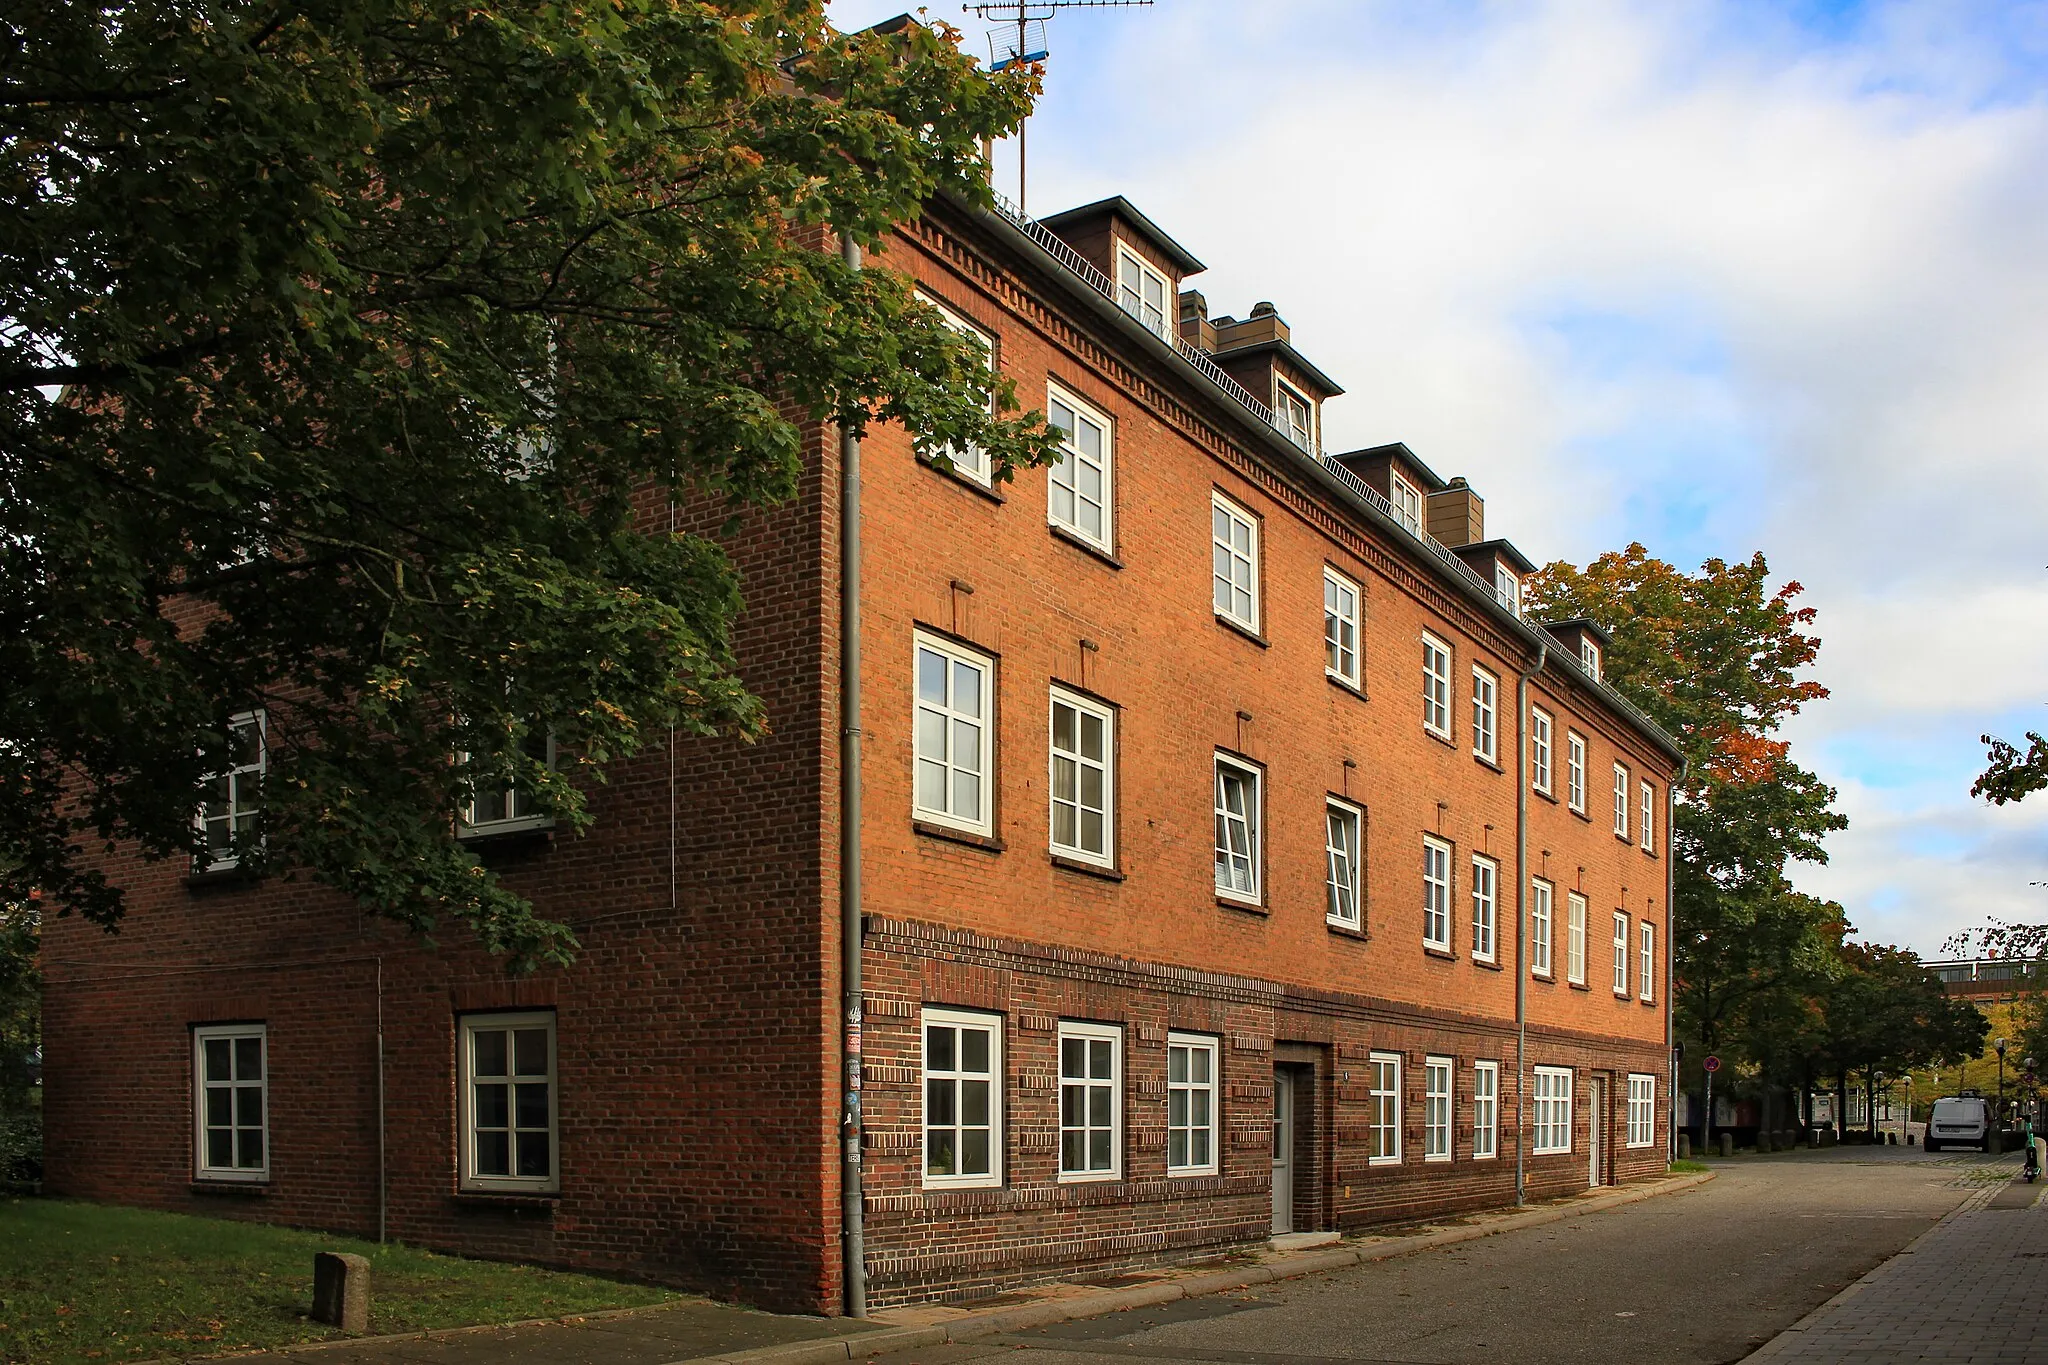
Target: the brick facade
(698, 1045)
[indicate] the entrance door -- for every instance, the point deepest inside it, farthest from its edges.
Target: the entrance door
(1596, 1130)
(1283, 1151)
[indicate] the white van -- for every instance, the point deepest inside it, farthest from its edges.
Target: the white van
(1959, 1121)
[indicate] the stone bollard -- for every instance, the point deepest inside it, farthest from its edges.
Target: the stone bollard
(1727, 1144)
(1912, 1139)
(1994, 1142)
(1685, 1146)
(341, 1290)
(1764, 1145)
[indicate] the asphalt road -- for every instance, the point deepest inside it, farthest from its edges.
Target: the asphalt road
(1706, 1275)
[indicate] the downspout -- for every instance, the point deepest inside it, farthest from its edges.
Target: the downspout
(383, 1178)
(1671, 950)
(1522, 918)
(852, 1233)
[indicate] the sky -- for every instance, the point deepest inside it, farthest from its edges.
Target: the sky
(1717, 278)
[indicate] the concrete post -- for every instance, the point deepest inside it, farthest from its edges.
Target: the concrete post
(341, 1290)
(1685, 1146)
(1727, 1140)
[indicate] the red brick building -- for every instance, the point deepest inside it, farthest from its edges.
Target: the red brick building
(1233, 857)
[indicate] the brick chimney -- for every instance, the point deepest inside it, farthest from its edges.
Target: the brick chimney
(1195, 328)
(1457, 515)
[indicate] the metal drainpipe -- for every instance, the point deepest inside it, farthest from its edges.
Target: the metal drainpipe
(854, 1236)
(1522, 916)
(383, 1169)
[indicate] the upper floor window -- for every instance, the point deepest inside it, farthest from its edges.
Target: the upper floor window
(1436, 686)
(1082, 778)
(1539, 749)
(1575, 938)
(970, 460)
(1078, 486)
(1539, 927)
(1485, 707)
(1091, 1101)
(1485, 908)
(1646, 969)
(1295, 415)
(1341, 847)
(508, 1102)
(1575, 771)
(231, 797)
(1142, 290)
(1237, 830)
(1507, 589)
(1340, 627)
(1620, 801)
(1648, 820)
(1621, 952)
(1589, 654)
(1234, 542)
(231, 1086)
(963, 1098)
(952, 744)
(502, 805)
(1407, 502)
(1436, 893)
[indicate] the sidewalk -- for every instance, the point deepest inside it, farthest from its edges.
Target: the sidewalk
(1972, 1288)
(697, 1332)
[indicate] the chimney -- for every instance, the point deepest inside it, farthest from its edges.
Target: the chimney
(1195, 327)
(1457, 515)
(1265, 324)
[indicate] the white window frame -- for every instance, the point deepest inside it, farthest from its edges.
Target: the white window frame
(1436, 686)
(1575, 771)
(1129, 262)
(1485, 1110)
(1341, 627)
(1541, 727)
(1621, 801)
(1507, 589)
(467, 826)
(1288, 402)
(234, 1085)
(1343, 868)
(1485, 908)
(1542, 903)
(1436, 893)
(467, 1027)
(956, 1076)
(1648, 820)
(1552, 1109)
(1575, 938)
(1406, 500)
(1485, 714)
(1589, 656)
(1192, 1044)
(1621, 953)
(970, 462)
(1065, 474)
(1642, 1110)
(947, 761)
(1253, 819)
(1646, 970)
(1088, 1035)
(1436, 1108)
(1226, 553)
(244, 794)
(1383, 1115)
(1080, 764)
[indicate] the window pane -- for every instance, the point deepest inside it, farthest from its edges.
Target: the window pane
(938, 1152)
(1177, 1147)
(249, 1149)
(974, 1152)
(966, 689)
(530, 1051)
(974, 1103)
(938, 1047)
(494, 1153)
(1072, 1151)
(533, 1155)
(974, 1049)
(931, 777)
(248, 1059)
(1063, 718)
(489, 1052)
(1099, 1056)
(249, 1106)
(1098, 1150)
(967, 746)
(931, 677)
(1074, 1057)
(1073, 1106)
(220, 1107)
(1177, 1064)
(1092, 738)
(217, 1054)
(493, 1106)
(938, 1102)
(532, 1105)
(220, 1147)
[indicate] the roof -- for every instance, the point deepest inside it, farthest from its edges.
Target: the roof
(1505, 549)
(1130, 213)
(1293, 357)
(1398, 450)
(1584, 623)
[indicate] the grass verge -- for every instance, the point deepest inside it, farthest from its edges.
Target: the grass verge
(1684, 1165)
(92, 1283)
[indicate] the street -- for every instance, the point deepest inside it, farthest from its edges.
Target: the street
(1706, 1275)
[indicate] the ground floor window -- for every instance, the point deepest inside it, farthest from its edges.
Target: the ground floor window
(1485, 1110)
(508, 1101)
(1642, 1110)
(1091, 1114)
(1553, 1094)
(1436, 1109)
(1384, 1077)
(963, 1069)
(1190, 1105)
(231, 1087)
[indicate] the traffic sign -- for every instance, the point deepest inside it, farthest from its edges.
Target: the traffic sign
(1712, 1064)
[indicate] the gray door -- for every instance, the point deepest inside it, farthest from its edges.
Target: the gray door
(1283, 1151)
(1596, 1130)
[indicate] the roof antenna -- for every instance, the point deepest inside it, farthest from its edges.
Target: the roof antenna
(1019, 36)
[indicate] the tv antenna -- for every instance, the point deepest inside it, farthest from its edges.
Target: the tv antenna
(1019, 37)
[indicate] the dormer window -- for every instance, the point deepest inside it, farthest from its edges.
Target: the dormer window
(1294, 415)
(1589, 656)
(1407, 501)
(1142, 291)
(1507, 589)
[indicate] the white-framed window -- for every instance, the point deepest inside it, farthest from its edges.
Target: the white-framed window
(1539, 927)
(503, 806)
(1539, 749)
(1575, 771)
(1091, 1101)
(969, 460)
(1083, 778)
(1642, 1110)
(1343, 848)
(1238, 817)
(1383, 1113)
(1340, 627)
(1621, 953)
(963, 1098)
(1575, 938)
(1407, 502)
(1507, 589)
(1191, 1128)
(1436, 893)
(954, 736)
(1294, 415)
(1646, 969)
(231, 1090)
(231, 797)
(1234, 542)
(1436, 1109)
(1485, 1110)
(1620, 801)
(508, 1101)
(1485, 908)
(1589, 655)
(1485, 710)
(1436, 686)
(1079, 487)
(1142, 290)
(1648, 819)
(1553, 1096)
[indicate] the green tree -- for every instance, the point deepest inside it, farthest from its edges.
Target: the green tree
(20, 1042)
(2009, 774)
(1886, 1014)
(382, 327)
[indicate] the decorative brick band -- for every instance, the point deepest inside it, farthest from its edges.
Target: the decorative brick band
(881, 1073)
(1065, 1251)
(1037, 1023)
(883, 1007)
(1251, 1042)
(922, 1205)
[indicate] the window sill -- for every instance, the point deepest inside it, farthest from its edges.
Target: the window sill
(1621, 838)
(1240, 628)
(1246, 907)
(1545, 977)
(222, 878)
(1086, 868)
(1083, 545)
(1578, 985)
(966, 481)
(1342, 930)
(1345, 684)
(508, 1199)
(1647, 1004)
(1581, 814)
(1442, 737)
(1430, 950)
(1086, 1178)
(1535, 790)
(984, 842)
(231, 1189)
(1483, 761)
(507, 840)
(1488, 963)
(1383, 1161)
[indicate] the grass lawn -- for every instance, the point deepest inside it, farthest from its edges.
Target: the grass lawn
(91, 1282)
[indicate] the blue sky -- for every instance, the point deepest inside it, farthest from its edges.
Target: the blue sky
(1717, 278)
